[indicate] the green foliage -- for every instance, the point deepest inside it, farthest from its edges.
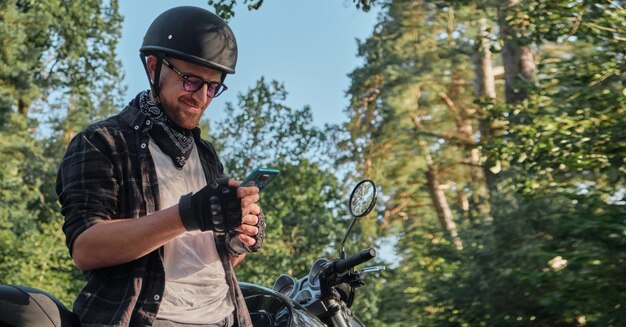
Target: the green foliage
(45, 262)
(43, 51)
(32, 243)
(58, 71)
(557, 245)
(554, 233)
(263, 130)
(302, 204)
(416, 53)
(226, 8)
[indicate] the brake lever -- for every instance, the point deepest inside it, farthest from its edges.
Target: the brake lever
(372, 269)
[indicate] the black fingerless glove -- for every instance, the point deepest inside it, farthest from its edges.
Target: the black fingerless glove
(215, 207)
(236, 247)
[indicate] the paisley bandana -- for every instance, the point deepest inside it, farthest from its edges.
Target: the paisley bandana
(176, 142)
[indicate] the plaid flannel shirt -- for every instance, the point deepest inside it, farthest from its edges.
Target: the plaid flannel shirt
(108, 173)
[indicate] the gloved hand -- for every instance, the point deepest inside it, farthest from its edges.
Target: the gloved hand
(215, 207)
(237, 247)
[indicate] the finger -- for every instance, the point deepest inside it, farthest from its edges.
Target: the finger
(251, 209)
(249, 200)
(232, 182)
(255, 209)
(244, 191)
(247, 240)
(249, 230)
(250, 220)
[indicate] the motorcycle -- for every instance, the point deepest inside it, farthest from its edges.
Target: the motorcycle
(321, 298)
(324, 296)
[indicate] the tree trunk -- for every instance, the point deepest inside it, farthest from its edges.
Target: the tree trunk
(68, 128)
(484, 81)
(463, 202)
(519, 65)
(22, 107)
(444, 214)
(441, 205)
(485, 93)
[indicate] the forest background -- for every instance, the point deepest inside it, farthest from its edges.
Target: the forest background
(494, 129)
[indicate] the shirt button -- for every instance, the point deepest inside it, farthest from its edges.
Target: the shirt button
(157, 297)
(143, 145)
(147, 122)
(136, 127)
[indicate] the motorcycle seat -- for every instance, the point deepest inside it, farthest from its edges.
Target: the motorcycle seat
(26, 306)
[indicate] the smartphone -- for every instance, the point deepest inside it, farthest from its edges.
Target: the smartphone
(260, 177)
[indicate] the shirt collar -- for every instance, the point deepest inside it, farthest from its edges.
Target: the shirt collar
(134, 117)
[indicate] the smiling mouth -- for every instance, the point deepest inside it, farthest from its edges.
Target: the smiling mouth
(191, 104)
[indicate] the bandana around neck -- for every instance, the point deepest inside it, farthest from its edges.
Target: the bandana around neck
(176, 142)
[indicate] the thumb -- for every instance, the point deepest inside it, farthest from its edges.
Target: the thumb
(232, 182)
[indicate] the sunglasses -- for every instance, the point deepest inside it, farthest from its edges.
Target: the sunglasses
(193, 83)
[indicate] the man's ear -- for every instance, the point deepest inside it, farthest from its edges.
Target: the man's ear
(151, 65)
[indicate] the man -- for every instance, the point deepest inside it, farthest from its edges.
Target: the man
(149, 218)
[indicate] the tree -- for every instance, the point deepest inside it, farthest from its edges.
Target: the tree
(544, 139)
(226, 8)
(545, 161)
(266, 130)
(57, 69)
(45, 55)
(412, 114)
(563, 146)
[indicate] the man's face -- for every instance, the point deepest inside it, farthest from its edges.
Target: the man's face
(182, 107)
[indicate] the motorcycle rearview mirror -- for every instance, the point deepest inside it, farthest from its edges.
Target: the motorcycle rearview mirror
(362, 198)
(362, 202)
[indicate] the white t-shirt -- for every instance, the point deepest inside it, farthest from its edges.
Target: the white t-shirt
(195, 284)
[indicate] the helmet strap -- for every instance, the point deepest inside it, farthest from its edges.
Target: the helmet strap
(155, 83)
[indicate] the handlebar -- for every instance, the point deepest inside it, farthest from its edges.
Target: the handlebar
(344, 265)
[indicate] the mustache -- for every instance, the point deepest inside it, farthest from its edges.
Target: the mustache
(190, 101)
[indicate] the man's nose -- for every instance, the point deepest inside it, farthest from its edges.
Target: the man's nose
(201, 95)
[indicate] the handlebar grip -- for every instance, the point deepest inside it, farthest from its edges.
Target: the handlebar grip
(344, 265)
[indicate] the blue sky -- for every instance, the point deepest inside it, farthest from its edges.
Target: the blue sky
(309, 45)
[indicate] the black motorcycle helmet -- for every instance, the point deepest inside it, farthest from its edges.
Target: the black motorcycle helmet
(191, 34)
